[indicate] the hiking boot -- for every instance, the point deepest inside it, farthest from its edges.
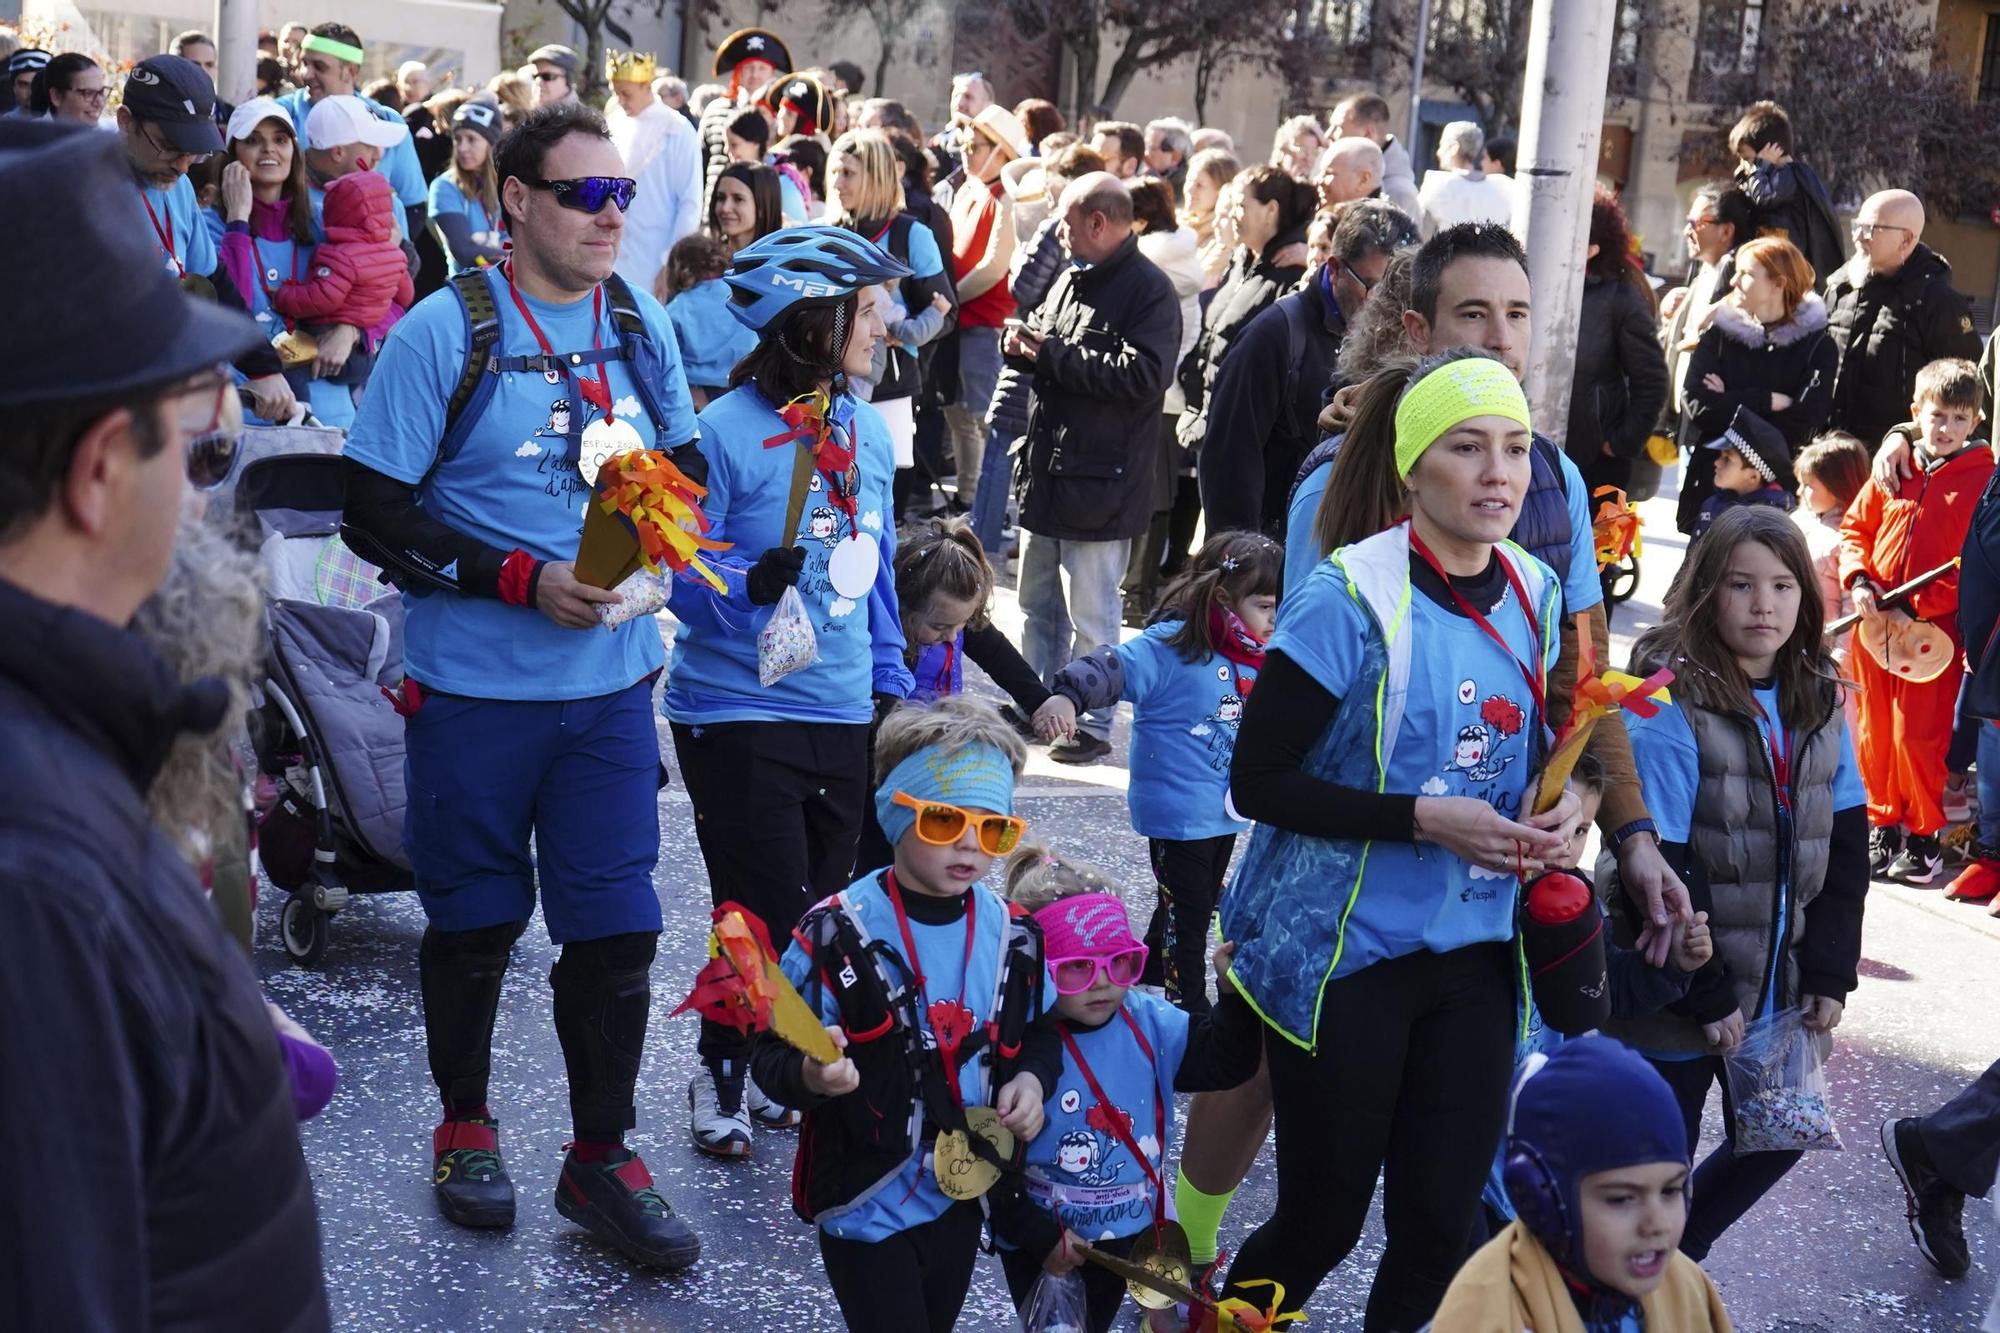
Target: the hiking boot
(467, 1175)
(764, 1111)
(1978, 882)
(615, 1201)
(717, 1116)
(1921, 861)
(1084, 749)
(1885, 843)
(1935, 1208)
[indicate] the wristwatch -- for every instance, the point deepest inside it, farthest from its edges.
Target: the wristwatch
(1637, 826)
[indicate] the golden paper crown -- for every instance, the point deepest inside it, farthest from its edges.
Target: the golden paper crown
(630, 66)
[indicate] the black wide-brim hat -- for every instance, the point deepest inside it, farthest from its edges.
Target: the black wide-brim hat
(107, 316)
(751, 44)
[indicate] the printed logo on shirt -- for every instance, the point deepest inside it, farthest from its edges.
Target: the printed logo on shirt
(1218, 729)
(560, 479)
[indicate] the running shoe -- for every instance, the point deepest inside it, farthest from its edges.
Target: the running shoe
(467, 1176)
(1885, 843)
(717, 1116)
(1935, 1209)
(1921, 861)
(615, 1201)
(764, 1111)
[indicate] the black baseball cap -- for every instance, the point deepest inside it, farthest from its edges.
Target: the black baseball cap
(173, 93)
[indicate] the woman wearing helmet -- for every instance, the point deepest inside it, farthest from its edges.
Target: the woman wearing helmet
(799, 482)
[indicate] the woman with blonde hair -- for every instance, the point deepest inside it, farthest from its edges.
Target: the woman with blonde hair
(516, 94)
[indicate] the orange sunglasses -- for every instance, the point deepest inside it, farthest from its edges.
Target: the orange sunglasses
(941, 825)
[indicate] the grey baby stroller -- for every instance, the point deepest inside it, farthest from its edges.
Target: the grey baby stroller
(325, 735)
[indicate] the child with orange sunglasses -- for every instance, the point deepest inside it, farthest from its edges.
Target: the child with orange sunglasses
(937, 994)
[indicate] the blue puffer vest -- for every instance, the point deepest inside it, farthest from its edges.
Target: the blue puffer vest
(1544, 526)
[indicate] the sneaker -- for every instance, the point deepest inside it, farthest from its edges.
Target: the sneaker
(467, 1176)
(615, 1200)
(717, 1117)
(1018, 720)
(1958, 798)
(1978, 882)
(1921, 862)
(1884, 844)
(1935, 1208)
(764, 1111)
(1084, 749)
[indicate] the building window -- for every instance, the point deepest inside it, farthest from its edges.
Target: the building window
(1989, 60)
(1727, 46)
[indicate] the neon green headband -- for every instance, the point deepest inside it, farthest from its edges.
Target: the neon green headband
(327, 46)
(1454, 393)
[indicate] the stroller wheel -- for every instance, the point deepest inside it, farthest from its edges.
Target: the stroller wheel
(303, 929)
(1621, 580)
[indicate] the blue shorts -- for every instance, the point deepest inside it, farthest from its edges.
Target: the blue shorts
(581, 775)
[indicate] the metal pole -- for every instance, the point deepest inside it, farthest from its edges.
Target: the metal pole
(1562, 118)
(235, 50)
(1413, 145)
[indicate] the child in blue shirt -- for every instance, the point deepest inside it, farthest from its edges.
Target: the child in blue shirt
(697, 300)
(1751, 778)
(1097, 1171)
(935, 990)
(1186, 677)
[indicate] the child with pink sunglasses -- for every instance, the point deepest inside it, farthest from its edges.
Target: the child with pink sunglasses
(1098, 1168)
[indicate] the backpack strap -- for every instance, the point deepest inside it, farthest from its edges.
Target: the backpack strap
(1295, 348)
(637, 338)
(475, 384)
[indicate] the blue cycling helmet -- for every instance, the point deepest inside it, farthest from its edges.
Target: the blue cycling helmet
(797, 268)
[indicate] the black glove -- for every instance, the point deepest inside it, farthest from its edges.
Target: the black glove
(689, 460)
(885, 704)
(776, 570)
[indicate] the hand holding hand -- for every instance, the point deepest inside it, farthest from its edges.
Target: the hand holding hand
(1822, 1012)
(1694, 944)
(1656, 891)
(236, 193)
(1726, 1035)
(1020, 1106)
(776, 570)
(1056, 719)
(570, 604)
(834, 1080)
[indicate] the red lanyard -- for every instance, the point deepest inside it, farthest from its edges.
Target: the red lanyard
(1120, 1123)
(166, 234)
(597, 390)
(1537, 676)
(950, 1023)
(1781, 760)
(942, 685)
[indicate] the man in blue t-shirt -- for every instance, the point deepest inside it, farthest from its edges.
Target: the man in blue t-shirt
(330, 64)
(526, 714)
(167, 122)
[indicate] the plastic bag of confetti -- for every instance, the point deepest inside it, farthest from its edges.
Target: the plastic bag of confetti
(786, 643)
(644, 593)
(1777, 1082)
(1056, 1304)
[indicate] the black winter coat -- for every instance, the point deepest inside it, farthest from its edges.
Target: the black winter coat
(1265, 411)
(1792, 202)
(1109, 335)
(1621, 374)
(1888, 327)
(1247, 291)
(146, 1132)
(1031, 285)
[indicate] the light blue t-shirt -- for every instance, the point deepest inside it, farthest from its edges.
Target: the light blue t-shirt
(513, 484)
(791, 202)
(1184, 721)
(712, 340)
(1580, 585)
(172, 218)
(1078, 1165)
(951, 973)
(1470, 727)
(859, 632)
(446, 197)
(1663, 748)
(399, 162)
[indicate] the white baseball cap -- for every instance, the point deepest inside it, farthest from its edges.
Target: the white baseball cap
(249, 115)
(335, 122)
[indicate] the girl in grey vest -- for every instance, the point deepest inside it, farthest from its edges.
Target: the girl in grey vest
(1750, 775)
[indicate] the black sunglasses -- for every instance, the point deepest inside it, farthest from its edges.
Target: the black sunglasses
(588, 194)
(550, 76)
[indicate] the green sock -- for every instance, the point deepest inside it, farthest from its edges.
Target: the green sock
(1201, 1217)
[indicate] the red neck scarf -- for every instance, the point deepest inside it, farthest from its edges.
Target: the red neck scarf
(1237, 644)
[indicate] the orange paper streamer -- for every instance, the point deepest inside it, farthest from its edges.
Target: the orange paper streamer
(1615, 530)
(660, 504)
(1594, 697)
(743, 987)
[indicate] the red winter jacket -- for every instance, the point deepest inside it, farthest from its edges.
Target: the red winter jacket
(359, 269)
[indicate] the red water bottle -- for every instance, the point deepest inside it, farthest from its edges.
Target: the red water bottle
(1562, 933)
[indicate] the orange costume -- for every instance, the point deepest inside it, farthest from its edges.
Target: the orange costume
(1890, 537)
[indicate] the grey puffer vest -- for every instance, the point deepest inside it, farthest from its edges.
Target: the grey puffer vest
(1749, 847)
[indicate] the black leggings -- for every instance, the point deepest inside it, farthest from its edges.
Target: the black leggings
(1103, 1290)
(777, 810)
(1189, 878)
(1725, 1185)
(1410, 1081)
(912, 1282)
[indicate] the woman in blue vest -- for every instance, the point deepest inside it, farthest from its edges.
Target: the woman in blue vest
(1388, 757)
(799, 477)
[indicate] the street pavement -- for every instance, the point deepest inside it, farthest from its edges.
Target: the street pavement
(1826, 1251)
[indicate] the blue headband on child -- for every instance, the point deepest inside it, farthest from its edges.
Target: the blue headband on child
(976, 777)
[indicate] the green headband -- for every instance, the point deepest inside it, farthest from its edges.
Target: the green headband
(1454, 393)
(327, 46)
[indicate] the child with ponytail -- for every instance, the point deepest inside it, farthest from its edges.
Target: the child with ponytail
(1097, 1171)
(1186, 677)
